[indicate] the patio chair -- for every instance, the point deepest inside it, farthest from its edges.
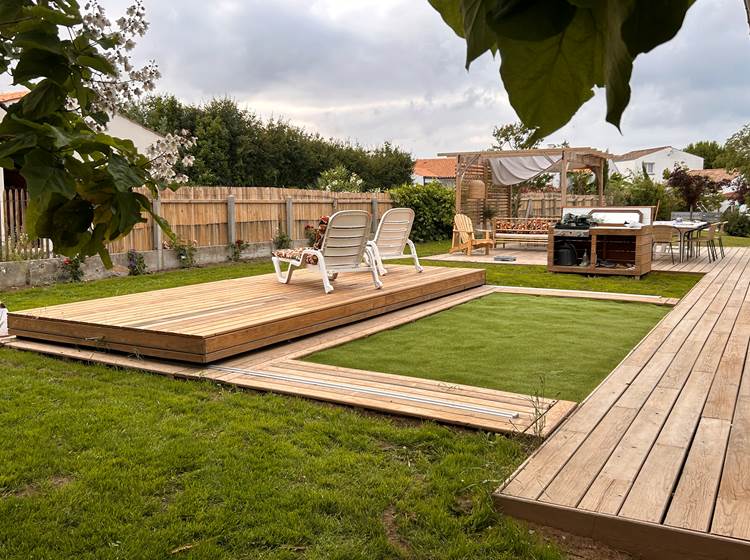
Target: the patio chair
(464, 238)
(342, 249)
(664, 235)
(707, 238)
(392, 237)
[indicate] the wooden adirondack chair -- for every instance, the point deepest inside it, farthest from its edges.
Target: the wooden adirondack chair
(464, 238)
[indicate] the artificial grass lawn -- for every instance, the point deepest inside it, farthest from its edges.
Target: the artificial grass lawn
(732, 241)
(100, 463)
(556, 347)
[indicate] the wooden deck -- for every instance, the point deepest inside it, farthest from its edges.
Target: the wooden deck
(206, 322)
(656, 461)
(526, 255)
(279, 369)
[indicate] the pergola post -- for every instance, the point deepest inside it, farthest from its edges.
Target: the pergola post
(564, 179)
(599, 173)
(459, 180)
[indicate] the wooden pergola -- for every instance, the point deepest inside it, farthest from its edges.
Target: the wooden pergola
(476, 165)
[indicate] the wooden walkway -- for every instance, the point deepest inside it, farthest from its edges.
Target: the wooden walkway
(279, 369)
(538, 256)
(656, 461)
(206, 322)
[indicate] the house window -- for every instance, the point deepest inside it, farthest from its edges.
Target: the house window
(649, 167)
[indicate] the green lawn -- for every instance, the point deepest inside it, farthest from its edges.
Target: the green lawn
(557, 347)
(731, 241)
(99, 463)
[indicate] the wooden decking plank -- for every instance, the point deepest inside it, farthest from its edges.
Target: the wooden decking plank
(693, 503)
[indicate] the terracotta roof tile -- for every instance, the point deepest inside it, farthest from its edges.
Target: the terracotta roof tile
(635, 154)
(717, 175)
(435, 167)
(12, 96)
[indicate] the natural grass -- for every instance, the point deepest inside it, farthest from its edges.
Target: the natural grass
(100, 463)
(732, 241)
(525, 344)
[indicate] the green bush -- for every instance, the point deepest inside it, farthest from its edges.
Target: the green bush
(433, 205)
(641, 190)
(738, 224)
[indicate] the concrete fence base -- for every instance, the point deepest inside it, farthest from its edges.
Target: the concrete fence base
(19, 274)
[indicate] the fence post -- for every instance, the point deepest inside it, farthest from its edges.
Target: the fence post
(156, 205)
(375, 217)
(335, 203)
(290, 217)
(231, 219)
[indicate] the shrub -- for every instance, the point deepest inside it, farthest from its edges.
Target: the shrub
(185, 251)
(71, 269)
(433, 205)
(340, 179)
(136, 263)
(282, 241)
(738, 223)
(311, 234)
(236, 248)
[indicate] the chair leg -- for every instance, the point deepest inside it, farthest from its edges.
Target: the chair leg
(671, 252)
(324, 274)
(374, 271)
(721, 247)
(414, 256)
(283, 277)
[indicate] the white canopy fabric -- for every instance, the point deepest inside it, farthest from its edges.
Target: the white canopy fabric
(511, 170)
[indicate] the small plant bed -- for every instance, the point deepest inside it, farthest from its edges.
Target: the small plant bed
(99, 462)
(547, 346)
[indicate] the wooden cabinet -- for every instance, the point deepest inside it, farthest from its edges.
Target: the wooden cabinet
(614, 250)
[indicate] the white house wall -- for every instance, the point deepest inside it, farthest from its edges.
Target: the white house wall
(663, 160)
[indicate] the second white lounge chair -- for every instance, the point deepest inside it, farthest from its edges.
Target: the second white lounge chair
(392, 237)
(342, 249)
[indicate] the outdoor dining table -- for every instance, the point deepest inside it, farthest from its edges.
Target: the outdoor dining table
(685, 228)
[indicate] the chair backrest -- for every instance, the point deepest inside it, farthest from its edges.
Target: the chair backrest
(345, 239)
(463, 226)
(663, 234)
(393, 231)
(710, 232)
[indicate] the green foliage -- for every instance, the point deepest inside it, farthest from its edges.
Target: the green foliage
(136, 263)
(236, 248)
(641, 190)
(71, 269)
(185, 251)
(433, 206)
(738, 223)
(282, 241)
(235, 147)
(554, 52)
(712, 152)
(340, 179)
(80, 181)
(514, 136)
(737, 155)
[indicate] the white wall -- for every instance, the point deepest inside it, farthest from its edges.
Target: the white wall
(122, 127)
(663, 160)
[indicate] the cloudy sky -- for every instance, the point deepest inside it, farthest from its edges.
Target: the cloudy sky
(375, 70)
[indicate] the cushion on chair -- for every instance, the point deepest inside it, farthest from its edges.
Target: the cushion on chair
(296, 253)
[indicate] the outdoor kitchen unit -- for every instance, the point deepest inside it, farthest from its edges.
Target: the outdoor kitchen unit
(615, 240)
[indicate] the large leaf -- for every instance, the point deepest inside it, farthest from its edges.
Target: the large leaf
(45, 174)
(46, 98)
(555, 52)
(126, 177)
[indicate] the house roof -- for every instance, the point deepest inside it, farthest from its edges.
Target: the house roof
(717, 175)
(435, 167)
(635, 154)
(11, 96)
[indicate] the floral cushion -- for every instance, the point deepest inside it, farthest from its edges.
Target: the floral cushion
(297, 253)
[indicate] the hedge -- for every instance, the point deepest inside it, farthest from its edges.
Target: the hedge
(433, 205)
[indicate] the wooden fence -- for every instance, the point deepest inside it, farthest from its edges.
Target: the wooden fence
(548, 204)
(15, 244)
(212, 216)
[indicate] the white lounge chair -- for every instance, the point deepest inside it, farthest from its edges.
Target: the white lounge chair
(342, 249)
(392, 237)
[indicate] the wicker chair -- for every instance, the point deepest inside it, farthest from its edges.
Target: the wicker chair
(664, 235)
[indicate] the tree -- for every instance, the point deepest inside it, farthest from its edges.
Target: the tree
(514, 136)
(77, 67)
(737, 154)
(712, 152)
(692, 188)
(554, 52)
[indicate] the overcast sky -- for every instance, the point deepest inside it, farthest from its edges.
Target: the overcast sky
(375, 70)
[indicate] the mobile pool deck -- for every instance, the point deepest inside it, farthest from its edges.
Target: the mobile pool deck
(203, 323)
(281, 369)
(656, 461)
